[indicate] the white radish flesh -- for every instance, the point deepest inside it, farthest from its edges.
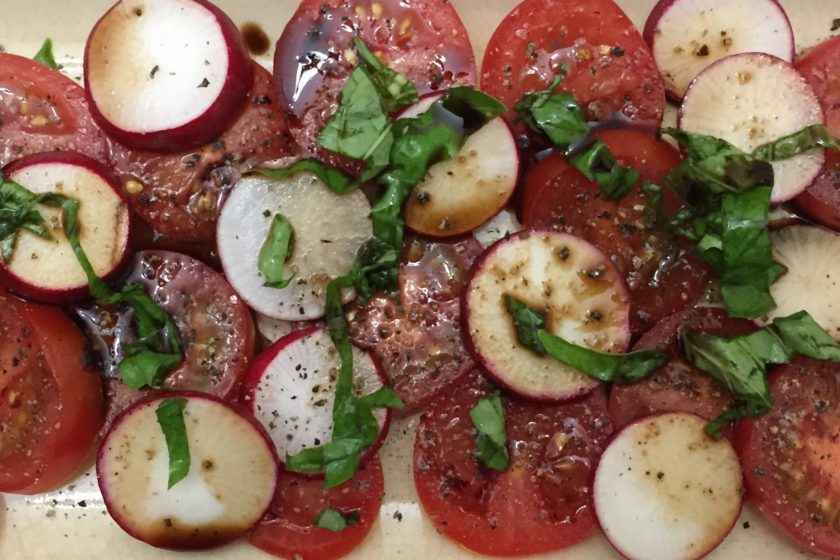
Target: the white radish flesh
(665, 490)
(275, 329)
(578, 288)
(166, 74)
(502, 225)
(812, 280)
(328, 231)
(751, 99)
(460, 194)
(686, 36)
(291, 390)
(230, 484)
(47, 269)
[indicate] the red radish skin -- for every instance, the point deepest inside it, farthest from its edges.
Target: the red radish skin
(529, 375)
(723, 41)
(750, 99)
(25, 285)
(630, 465)
(260, 367)
(170, 535)
(199, 129)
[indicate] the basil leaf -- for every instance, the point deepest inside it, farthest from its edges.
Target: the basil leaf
(334, 521)
(395, 90)
(170, 417)
(558, 116)
(145, 368)
(275, 251)
(528, 322)
(713, 165)
(617, 368)
(809, 138)
(334, 179)
(45, 55)
(489, 419)
(804, 336)
(18, 211)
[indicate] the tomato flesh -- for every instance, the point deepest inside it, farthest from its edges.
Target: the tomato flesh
(544, 494)
(287, 529)
(423, 39)
(417, 339)
(50, 398)
(791, 455)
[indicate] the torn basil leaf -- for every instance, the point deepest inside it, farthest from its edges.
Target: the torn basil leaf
(333, 520)
(45, 55)
(809, 138)
(335, 180)
(170, 417)
(395, 90)
(18, 210)
(488, 417)
(528, 322)
(275, 251)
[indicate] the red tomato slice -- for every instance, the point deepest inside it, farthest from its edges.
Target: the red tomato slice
(417, 339)
(542, 502)
(50, 398)
(423, 39)
(41, 110)
(610, 68)
(287, 530)
(180, 194)
(821, 67)
(661, 270)
(677, 386)
(791, 455)
(214, 324)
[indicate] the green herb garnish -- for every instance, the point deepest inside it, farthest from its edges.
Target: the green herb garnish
(45, 55)
(333, 520)
(489, 419)
(170, 417)
(276, 251)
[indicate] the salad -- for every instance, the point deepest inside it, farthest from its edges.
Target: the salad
(561, 320)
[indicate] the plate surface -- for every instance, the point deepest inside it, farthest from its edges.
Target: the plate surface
(72, 524)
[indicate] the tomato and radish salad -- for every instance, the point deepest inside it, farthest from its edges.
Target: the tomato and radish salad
(374, 231)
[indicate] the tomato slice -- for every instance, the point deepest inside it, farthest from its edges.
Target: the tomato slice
(821, 67)
(417, 339)
(423, 39)
(287, 530)
(610, 68)
(50, 397)
(662, 271)
(180, 194)
(677, 386)
(790, 455)
(542, 502)
(41, 110)
(214, 324)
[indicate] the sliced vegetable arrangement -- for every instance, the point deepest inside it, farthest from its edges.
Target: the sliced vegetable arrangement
(590, 314)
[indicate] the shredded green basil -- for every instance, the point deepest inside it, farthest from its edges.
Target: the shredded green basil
(809, 138)
(488, 417)
(170, 417)
(45, 55)
(275, 251)
(334, 179)
(333, 520)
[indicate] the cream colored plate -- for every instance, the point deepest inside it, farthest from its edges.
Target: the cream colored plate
(56, 525)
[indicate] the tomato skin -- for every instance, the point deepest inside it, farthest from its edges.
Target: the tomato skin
(65, 397)
(677, 386)
(790, 455)
(180, 194)
(662, 271)
(544, 493)
(423, 39)
(610, 67)
(821, 67)
(287, 531)
(56, 117)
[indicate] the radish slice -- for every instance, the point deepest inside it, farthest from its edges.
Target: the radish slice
(291, 390)
(166, 75)
(811, 281)
(666, 490)
(686, 36)
(460, 194)
(230, 484)
(46, 269)
(274, 329)
(500, 226)
(751, 99)
(328, 230)
(577, 286)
